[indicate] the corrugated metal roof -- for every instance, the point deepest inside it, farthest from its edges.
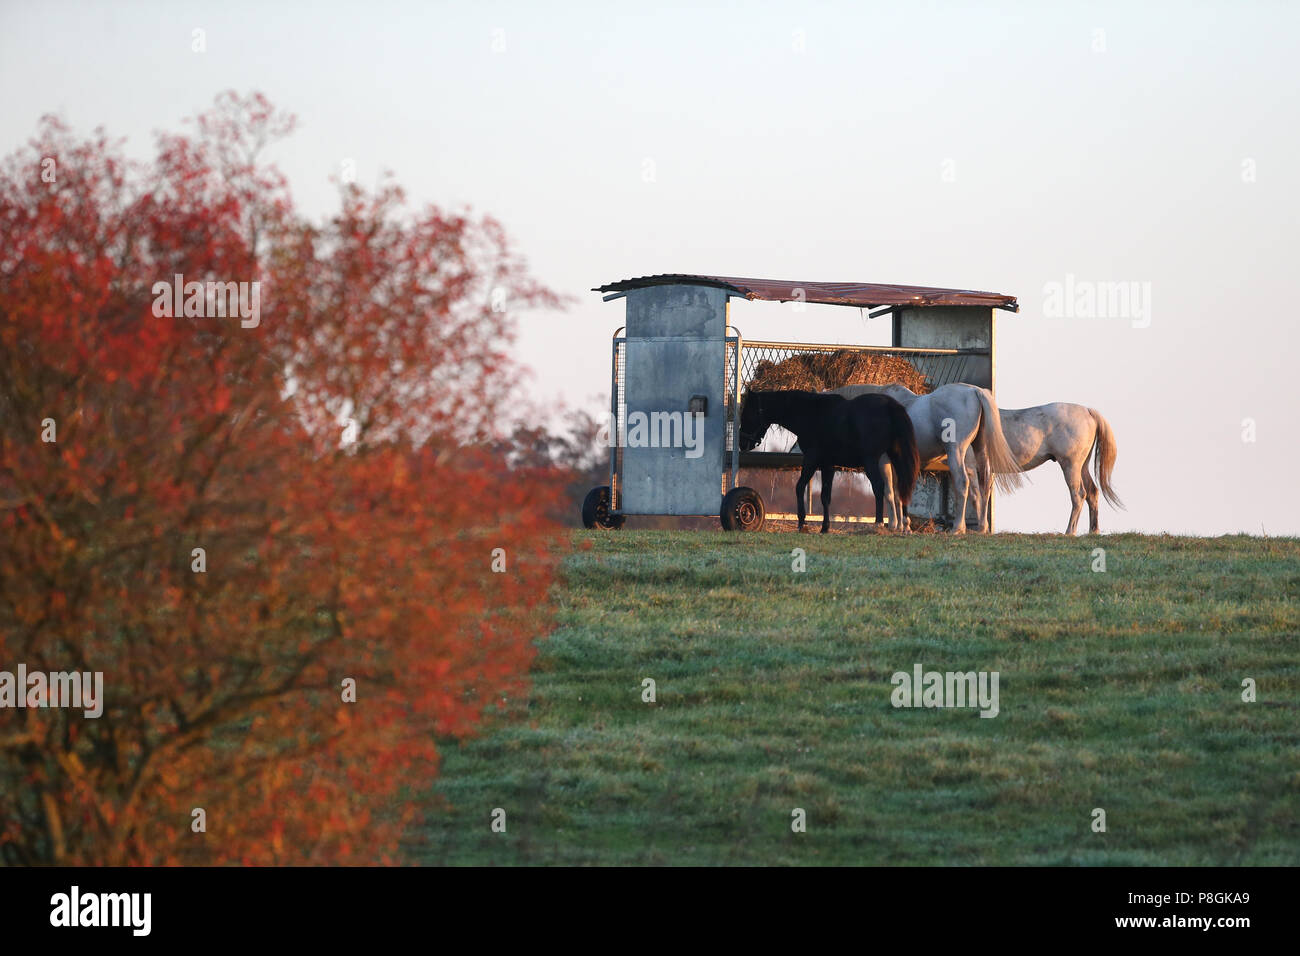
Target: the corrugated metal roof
(859, 294)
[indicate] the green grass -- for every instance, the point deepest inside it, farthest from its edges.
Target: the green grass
(1120, 690)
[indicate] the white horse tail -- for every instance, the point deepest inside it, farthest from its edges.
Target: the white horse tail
(1103, 460)
(1007, 473)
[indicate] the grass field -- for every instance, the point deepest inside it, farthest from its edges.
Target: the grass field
(1119, 690)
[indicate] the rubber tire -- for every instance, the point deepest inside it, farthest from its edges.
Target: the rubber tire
(595, 510)
(742, 510)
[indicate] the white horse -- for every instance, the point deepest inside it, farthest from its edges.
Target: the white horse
(1066, 434)
(958, 428)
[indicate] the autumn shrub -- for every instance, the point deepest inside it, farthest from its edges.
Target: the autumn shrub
(275, 539)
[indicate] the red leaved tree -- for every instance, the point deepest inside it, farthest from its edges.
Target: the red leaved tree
(271, 525)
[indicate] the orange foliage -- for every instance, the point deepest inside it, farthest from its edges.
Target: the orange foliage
(369, 560)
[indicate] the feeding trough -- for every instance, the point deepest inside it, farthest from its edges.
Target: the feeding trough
(679, 370)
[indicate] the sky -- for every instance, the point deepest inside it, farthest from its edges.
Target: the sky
(1007, 147)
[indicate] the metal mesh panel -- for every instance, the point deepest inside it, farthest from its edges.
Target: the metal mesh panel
(729, 391)
(939, 366)
(729, 398)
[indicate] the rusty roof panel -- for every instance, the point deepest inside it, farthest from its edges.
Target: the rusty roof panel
(859, 294)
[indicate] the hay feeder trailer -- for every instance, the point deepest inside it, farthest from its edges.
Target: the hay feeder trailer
(679, 369)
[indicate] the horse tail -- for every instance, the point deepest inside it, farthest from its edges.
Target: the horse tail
(1103, 460)
(903, 453)
(1007, 473)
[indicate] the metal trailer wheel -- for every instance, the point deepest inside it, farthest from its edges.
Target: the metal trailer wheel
(595, 510)
(742, 510)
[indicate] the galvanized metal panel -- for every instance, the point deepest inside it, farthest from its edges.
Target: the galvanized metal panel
(689, 311)
(928, 498)
(960, 327)
(662, 376)
(676, 350)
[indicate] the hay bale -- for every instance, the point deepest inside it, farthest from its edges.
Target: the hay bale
(823, 371)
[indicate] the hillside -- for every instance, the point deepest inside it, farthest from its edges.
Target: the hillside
(1119, 690)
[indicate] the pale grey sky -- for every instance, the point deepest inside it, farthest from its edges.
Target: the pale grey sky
(991, 146)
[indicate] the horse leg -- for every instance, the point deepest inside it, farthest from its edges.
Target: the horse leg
(1074, 482)
(1090, 493)
(976, 492)
(897, 512)
(828, 478)
(900, 516)
(800, 486)
(881, 492)
(988, 502)
(981, 476)
(983, 489)
(887, 490)
(960, 483)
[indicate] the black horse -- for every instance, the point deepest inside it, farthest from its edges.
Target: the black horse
(835, 431)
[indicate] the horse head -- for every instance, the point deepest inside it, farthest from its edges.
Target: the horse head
(753, 421)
